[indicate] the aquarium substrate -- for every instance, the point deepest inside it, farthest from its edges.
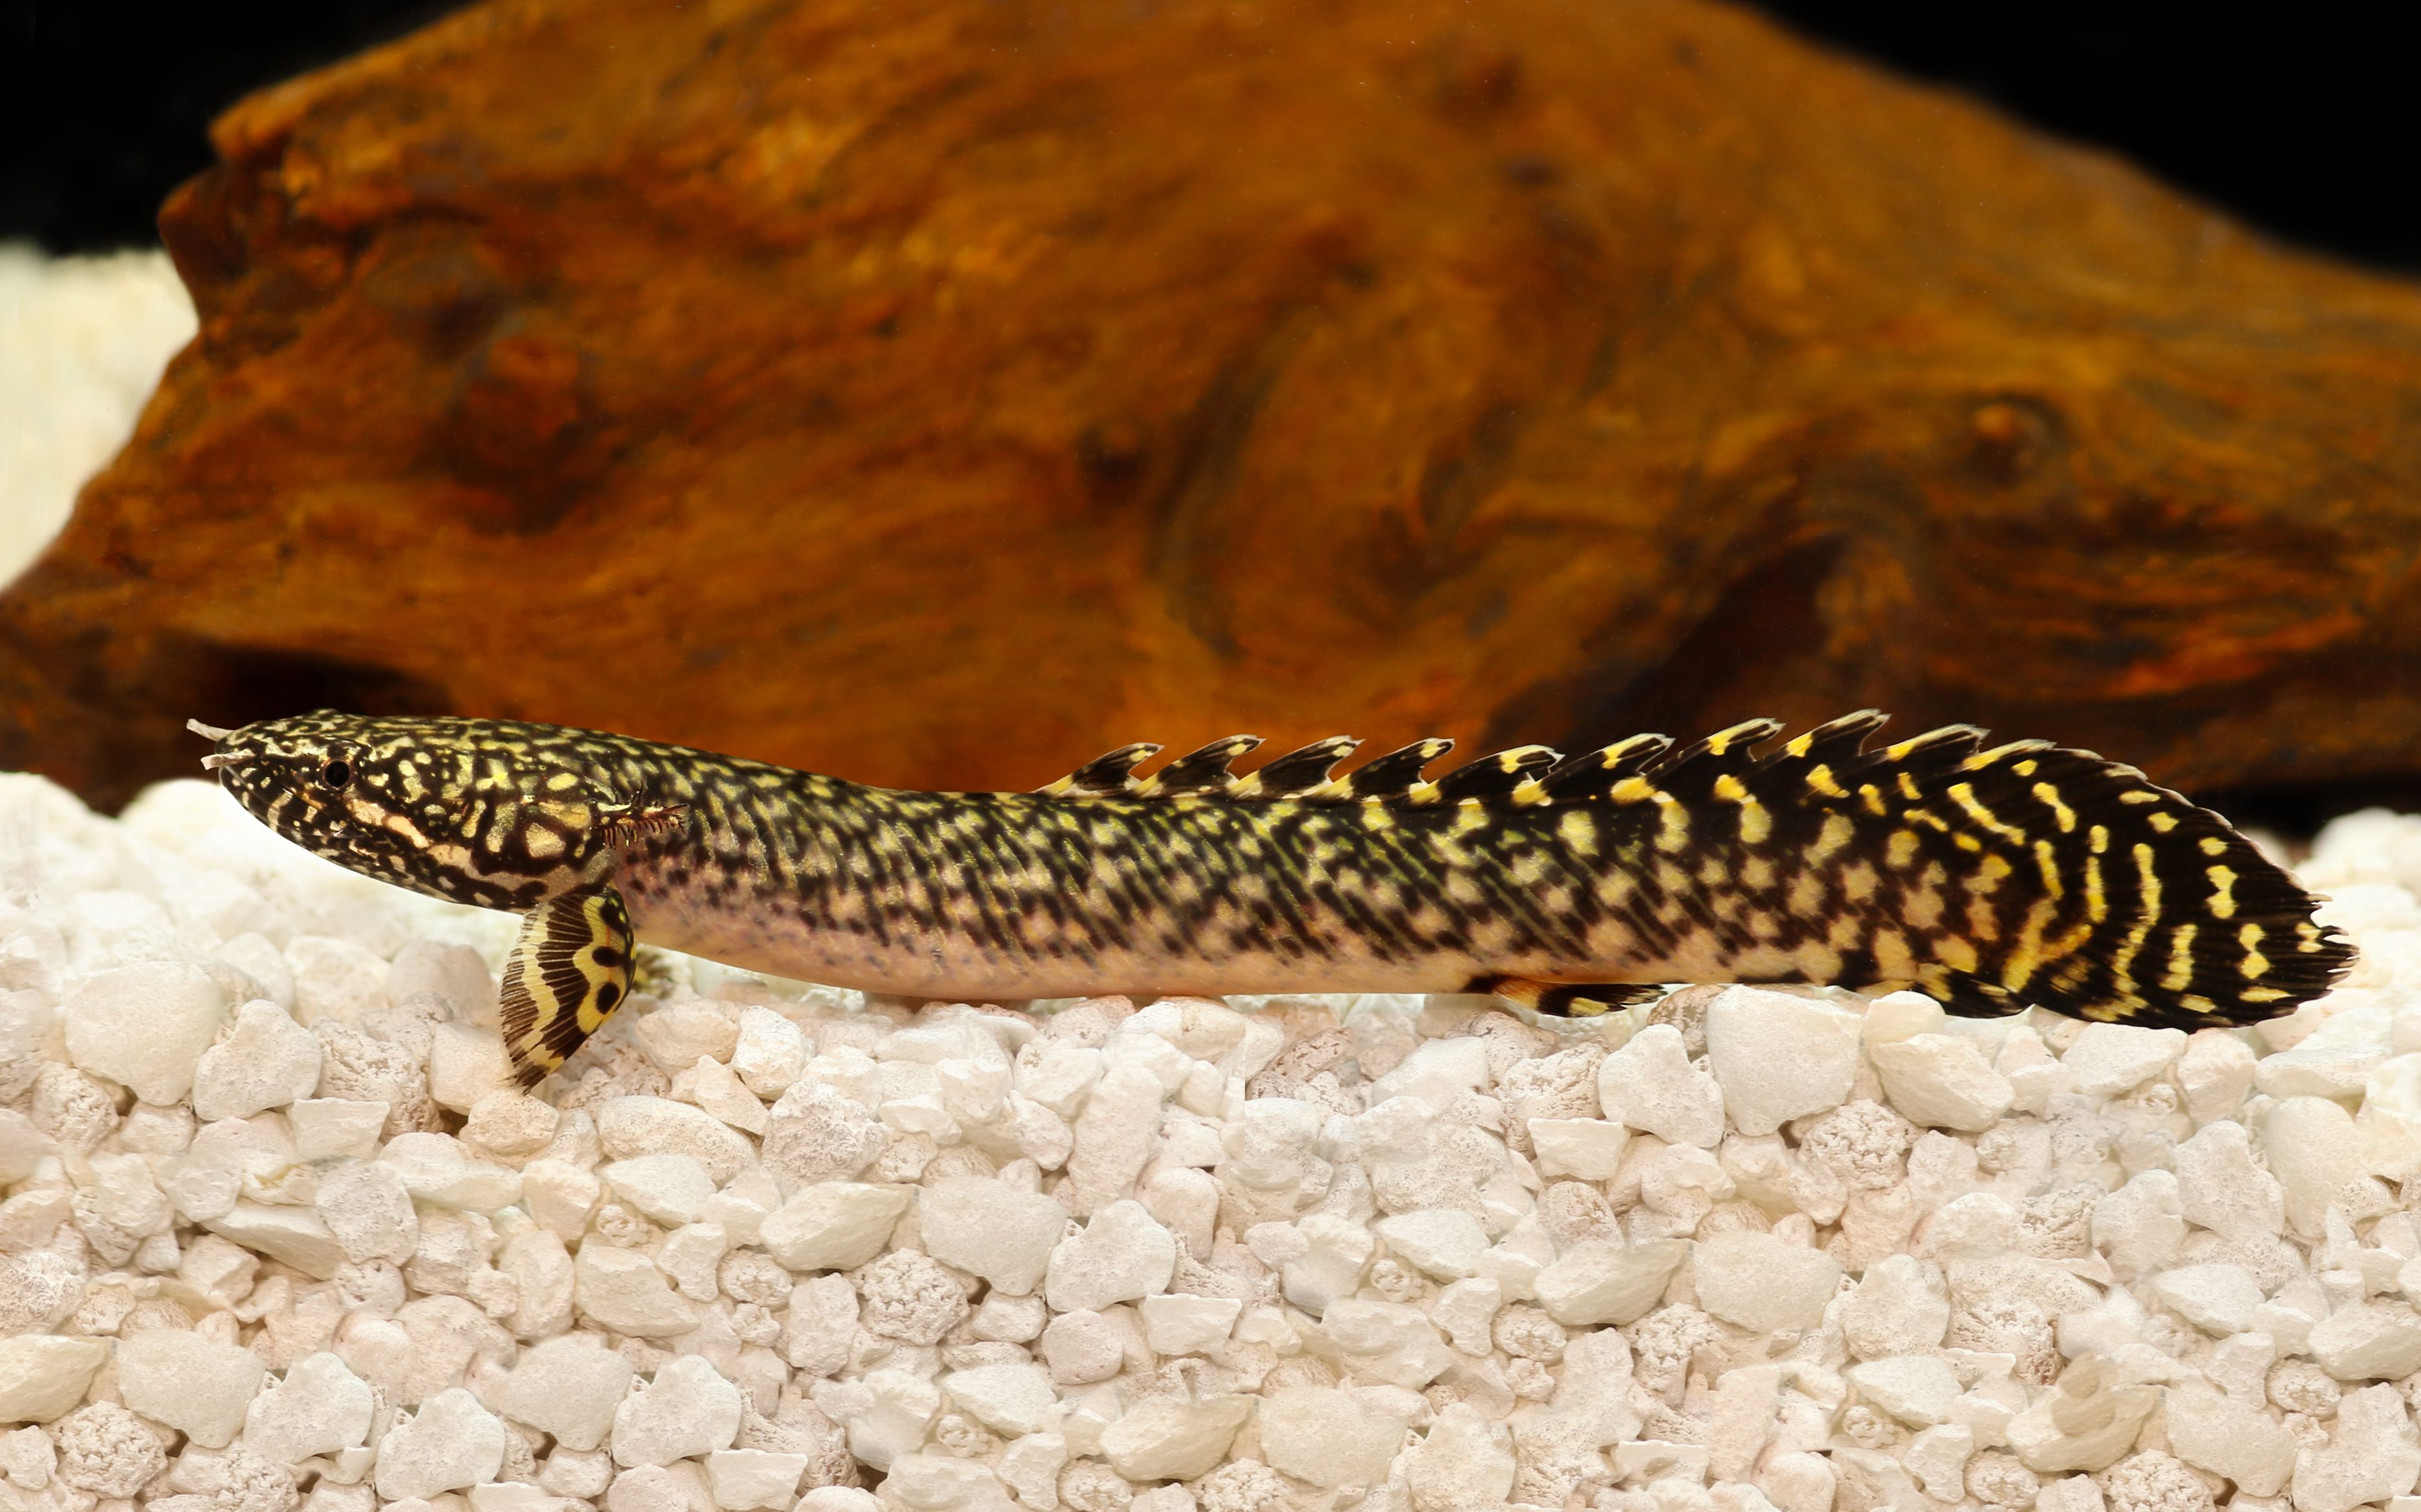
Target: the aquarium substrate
(278, 1231)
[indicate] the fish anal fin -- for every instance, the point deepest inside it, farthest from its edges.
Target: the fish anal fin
(569, 970)
(1967, 996)
(1567, 1000)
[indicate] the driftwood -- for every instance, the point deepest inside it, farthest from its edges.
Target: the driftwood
(941, 392)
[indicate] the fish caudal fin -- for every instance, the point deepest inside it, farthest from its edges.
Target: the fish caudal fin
(1989, 879)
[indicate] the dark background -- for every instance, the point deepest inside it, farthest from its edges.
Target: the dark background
(2298, 119)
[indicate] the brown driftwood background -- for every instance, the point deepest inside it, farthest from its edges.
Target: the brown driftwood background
(941, 392)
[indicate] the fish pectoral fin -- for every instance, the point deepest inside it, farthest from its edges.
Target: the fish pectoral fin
(1568, 1000)
(570, 970)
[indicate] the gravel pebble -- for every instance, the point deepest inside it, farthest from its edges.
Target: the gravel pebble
(1738, 1251)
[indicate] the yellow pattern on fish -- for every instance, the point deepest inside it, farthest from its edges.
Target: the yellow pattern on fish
(1989, 878)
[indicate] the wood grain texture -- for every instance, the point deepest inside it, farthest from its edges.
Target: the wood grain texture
(939, 393)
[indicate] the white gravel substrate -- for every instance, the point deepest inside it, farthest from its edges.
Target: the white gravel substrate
(275, 1232)
(82, 344)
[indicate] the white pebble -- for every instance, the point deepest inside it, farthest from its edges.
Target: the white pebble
(145, 1026)
(740, 1480)
(623, 1290)
(369, 1209)
(2318, 1154)
(675, 1035)
(466, 1062)
(941, 1483)
(1588, 1149)
(2372, 1454)
(336, 1129)
(2231, 1438)
(1899, 1306)
(1777, 1057)
(770, 1053)
(2215, 1072)
(2218, 1299)
(43, 1375)
(2071, 1493)
(293, 1235)
(1166, 1439)
(1941, 1081)
(898, 1412)
(1178, 1323)
(629, 1127)
(989, 1230)
(452, 973)
(714, 1088)
(2085, 1423)
(1938, 1458)
(1897, 1016)
(834, 1225)
(655, 1489)
(1594, 1283)
(815, 1132)
(692, 1256)
(452, 1444)
(321, 1407)
(670, 1189)
(1327, 1437)
(2222, 1188)
(2333, 1061)
(561, 1194)
(1463, 1464)
(1917, 1389)
(2368, 1341)
(688, 1410)
(1445, 1242)
(567, 1388)
(1014, 1399)
(1436, 1072)
(1651, 1084)
(335, 979)
(2110, 1058)
(1082, 1347)
(436, 1169)
(1121, 1254)
(1388, 1342)
(1762, 1283)
(265, 1060)
(1113, 1137)
(2140, 1225)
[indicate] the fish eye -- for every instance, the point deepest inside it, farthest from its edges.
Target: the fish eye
(336, 774)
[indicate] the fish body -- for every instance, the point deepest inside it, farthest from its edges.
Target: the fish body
(1989, 878)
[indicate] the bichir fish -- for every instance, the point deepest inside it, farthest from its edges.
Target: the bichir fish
(1988, 879)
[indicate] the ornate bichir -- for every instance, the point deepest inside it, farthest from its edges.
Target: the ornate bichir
(1988, 879)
